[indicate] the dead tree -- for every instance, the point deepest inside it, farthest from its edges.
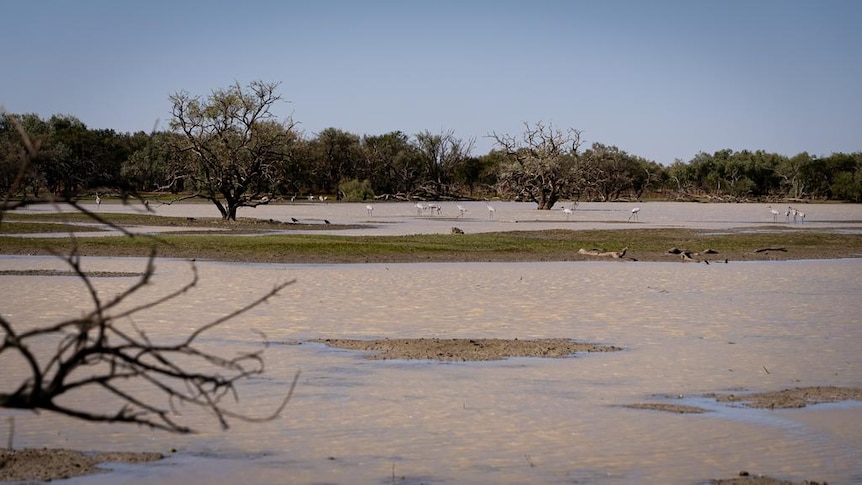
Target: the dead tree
(541, 165)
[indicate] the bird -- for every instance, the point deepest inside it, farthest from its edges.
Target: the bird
(419, 208)
(491, 211)
(635, 213)
(787, 214)
(98, 200)
(568, 212)
(369, 209)
(461, 209)
(774, 214)
(294, 220)
(432, 206)
(801, 216)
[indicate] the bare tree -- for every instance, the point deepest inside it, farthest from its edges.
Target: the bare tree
(440, 154)
(104, 349)
(236, 144)
(540, 165)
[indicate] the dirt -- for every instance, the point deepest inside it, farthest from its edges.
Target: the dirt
(51, 272)
(461, 350)
(672, 408)
(792, 398)
(746, 478)
(54, 464)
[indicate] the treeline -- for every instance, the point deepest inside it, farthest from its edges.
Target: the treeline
(74, 159)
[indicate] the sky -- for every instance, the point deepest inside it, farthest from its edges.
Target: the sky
(660, 79)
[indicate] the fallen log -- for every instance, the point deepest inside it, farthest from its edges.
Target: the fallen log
(604, 254)
(763, 250)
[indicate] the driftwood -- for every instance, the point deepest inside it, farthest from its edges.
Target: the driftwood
(763, 250)
(688, 255)
(605, 254)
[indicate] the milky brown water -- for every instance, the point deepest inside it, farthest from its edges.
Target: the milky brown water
(686, 330)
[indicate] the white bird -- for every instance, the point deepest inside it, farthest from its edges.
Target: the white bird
(774, 214)
(491, 211)
(461, 209)
(98, 200)
(432, 206)
(635, 213)
(568, 212)
(419, 208)
(801, 216)
(369, 209)
(787, 214)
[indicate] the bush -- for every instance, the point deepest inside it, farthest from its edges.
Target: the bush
(355, 189)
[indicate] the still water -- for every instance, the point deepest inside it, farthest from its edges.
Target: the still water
(686, 330)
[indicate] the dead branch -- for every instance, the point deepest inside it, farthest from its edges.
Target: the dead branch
(604, 254)
(112, 353)
(763, 250)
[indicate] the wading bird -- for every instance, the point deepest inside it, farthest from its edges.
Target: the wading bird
(635, 213)
(568, 212)
(774, 214)
(369, 209)
(461, 209)
(491, 211)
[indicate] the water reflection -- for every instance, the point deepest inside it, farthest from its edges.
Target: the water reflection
(686, 330)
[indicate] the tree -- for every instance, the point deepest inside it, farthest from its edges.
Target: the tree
(235, 142)
(152, 166)
(440, 154)
(387, 159)
(335, 154)
(541, 166)
(105, 350)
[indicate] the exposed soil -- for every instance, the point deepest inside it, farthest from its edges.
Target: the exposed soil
(54, 464)
(52, 272)
(746, 478)
(672, 408)
(793, 398)
(461, 350)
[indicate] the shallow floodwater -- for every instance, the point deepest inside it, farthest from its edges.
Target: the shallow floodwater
(686, 330)
(399, 218)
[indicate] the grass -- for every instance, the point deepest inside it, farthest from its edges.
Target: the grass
(245, 243)
(42, 227)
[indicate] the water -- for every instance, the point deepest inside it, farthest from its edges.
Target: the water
(686, 330)
(399, 218)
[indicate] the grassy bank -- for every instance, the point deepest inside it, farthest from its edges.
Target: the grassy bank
(243, 241)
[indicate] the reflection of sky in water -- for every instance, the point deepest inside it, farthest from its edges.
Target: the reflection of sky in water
(685, 329)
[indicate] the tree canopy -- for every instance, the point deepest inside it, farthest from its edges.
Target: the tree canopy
(230, 148)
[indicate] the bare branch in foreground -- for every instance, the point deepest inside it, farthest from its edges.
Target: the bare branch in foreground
(97, 350)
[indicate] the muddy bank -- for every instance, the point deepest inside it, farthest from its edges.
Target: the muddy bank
(792, 398)
(55, 464)
(462, 350)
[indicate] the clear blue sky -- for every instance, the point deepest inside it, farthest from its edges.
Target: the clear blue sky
(659, 79)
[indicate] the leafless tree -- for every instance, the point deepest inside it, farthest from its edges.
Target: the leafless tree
(540, 165)
(104, 349)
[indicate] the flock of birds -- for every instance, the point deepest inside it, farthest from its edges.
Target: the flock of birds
(435, 208)
(791, 214)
